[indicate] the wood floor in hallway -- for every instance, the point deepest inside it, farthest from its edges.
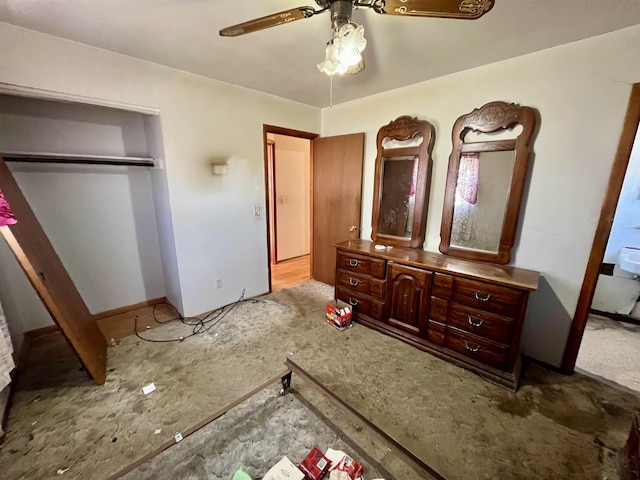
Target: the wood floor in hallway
(290, 272)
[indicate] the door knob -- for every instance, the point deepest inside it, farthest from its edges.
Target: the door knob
(353, 228)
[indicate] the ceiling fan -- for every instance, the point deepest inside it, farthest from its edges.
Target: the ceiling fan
(344, 49)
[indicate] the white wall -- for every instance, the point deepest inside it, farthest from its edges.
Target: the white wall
(581, 91)
(203, 121)
(162, 207)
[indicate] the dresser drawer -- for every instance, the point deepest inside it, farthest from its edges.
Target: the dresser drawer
(361, 303)
(484, 296)
(361, 283)
(481, 323)
(361, 264)
(435, 332)
(477, 348)
(442, 285)
(438, 309)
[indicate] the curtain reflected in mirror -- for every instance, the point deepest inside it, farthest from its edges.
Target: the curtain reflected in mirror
(399, 177)
(486, 182)
(481, 198)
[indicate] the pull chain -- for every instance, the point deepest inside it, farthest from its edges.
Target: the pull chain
(331, 91)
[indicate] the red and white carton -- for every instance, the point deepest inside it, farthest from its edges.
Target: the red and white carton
(342, 462)
(339, 314)
(314, 465)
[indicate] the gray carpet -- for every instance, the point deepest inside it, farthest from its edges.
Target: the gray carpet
(554, 427)
(611, 349)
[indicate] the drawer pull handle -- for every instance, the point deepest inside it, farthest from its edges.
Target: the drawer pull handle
(482, 296)
(474, 321)
(353, 262)
(353, 281)
(472, 347)
(353, 302)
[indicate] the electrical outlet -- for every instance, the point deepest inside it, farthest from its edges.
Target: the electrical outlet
(256, 210)
(218, 282)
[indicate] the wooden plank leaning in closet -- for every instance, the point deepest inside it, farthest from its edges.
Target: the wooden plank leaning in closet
(51, 281)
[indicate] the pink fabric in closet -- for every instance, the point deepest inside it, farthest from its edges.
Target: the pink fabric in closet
(6, 215)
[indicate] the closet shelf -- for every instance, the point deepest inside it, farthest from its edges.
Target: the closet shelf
(72, 158)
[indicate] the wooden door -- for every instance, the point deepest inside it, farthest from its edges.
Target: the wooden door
(408, 298)
(337, 195)
(51, 281)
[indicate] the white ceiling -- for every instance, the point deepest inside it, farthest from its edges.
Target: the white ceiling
(183, 34)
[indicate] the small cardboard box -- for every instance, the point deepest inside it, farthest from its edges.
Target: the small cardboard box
(339, 314)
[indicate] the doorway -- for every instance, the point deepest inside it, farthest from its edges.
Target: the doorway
(600, 344)
(610, 345)
(335, 193)
(289, 209)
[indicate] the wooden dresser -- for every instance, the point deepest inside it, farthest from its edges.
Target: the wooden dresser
(467, 312)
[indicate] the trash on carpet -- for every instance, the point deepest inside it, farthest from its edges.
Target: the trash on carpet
(62, 470)
(284, 470)
(341, 462)
(240, 475)
(147, 389)
(337, 475)
(314, 465)
(339, 314)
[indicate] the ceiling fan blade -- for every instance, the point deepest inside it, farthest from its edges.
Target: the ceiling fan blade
(465, 9)
(269, 21)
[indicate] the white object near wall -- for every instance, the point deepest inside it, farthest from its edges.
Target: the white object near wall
(220, 169)
(6, 353)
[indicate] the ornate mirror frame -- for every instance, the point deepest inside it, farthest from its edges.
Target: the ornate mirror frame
(490, 118)
(404, 128)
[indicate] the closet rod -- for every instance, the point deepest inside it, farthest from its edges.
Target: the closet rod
(76, 159)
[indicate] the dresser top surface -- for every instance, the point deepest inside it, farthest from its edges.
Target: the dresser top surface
(499, 274)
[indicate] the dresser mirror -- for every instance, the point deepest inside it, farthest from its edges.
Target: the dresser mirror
(402, 180)
(485, 182)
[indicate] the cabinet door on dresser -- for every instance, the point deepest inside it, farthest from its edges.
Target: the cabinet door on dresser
(408, 291)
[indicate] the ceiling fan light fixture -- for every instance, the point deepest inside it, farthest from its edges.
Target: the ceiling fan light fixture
(332, 64)
(344, 51)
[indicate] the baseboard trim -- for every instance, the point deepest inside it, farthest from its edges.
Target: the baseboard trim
(129, 308)
(31, 334)
(619, 317)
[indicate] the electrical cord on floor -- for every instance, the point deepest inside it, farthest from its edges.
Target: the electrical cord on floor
(199, 325)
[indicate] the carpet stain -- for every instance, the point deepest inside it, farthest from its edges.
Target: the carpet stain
(515, 405)
(570, 408)
(615, 410)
